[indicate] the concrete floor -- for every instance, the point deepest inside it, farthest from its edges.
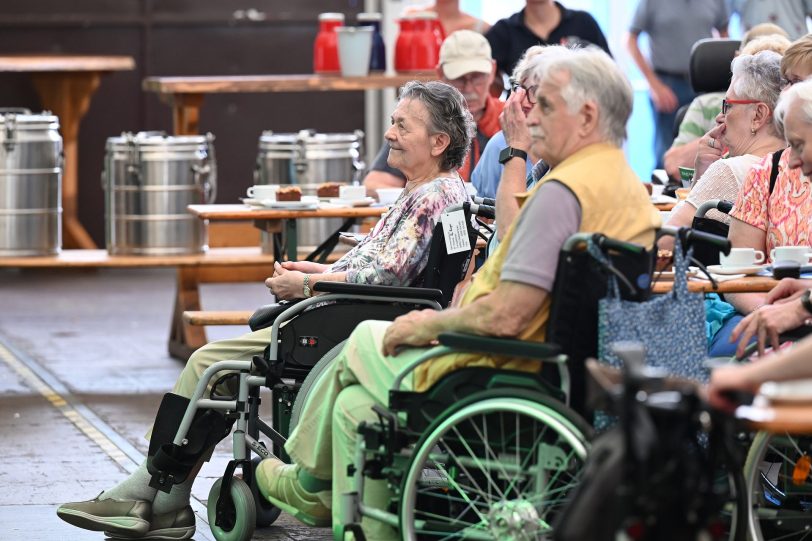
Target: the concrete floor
(83, 365)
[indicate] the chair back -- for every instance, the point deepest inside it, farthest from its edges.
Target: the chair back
(704, 253)
(443, 270)
(709, 69)
(580, 282)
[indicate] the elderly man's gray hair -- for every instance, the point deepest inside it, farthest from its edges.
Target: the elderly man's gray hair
(593, 76)
(447, 114)
(757, 77)
(801, 92)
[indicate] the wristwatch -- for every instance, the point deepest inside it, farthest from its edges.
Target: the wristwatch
(306, 287)
(806, 302)
(509, 153)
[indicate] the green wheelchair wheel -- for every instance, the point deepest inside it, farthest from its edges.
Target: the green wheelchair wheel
(241, 518)
(493, 469)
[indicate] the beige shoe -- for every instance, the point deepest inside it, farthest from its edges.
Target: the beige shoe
(279, 484)
(179, 524)
(121, 517)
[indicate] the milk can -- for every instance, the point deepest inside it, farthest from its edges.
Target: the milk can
(30, 183)
(149, 179)
(308, 159)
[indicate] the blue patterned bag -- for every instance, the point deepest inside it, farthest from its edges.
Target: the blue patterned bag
(671, 326)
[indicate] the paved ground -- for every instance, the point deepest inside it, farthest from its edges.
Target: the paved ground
(83, 365)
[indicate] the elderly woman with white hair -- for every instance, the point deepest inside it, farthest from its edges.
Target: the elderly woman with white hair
(744, 127)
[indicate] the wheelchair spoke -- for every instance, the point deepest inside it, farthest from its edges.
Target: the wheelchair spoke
(489, 450)
(464, 496)
(477, 461)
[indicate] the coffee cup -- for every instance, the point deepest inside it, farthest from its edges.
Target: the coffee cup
(351, 193)
(741, 257)
(686, 175)
(798, 254)
(262, 191)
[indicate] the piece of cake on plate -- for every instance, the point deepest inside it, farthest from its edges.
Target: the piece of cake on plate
(328, 189)
(289, 193)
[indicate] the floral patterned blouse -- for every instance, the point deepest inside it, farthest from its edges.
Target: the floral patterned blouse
(785, 214)
(396, 251)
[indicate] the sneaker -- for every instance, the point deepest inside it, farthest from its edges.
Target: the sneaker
(121, 517)
(279, 484)
(179, 524)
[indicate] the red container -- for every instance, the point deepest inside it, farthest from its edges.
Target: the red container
(403, 45)
(425, 46)
(325, 48)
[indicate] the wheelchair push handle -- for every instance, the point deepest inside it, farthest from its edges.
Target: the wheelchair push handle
(605, 243)
(484, 201)
(691, 236)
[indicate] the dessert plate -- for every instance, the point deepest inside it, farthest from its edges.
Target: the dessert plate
(363, 202)
(308, 202)
(747, 269)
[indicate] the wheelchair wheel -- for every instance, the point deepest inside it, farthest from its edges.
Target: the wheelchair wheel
(499, 468)
(240, 520)
(307, 385)
(267, 513)
(777, 472)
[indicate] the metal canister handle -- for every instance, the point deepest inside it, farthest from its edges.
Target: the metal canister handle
(11, 128)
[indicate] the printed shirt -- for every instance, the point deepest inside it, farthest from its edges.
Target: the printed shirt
(396, 251)
(783, 215)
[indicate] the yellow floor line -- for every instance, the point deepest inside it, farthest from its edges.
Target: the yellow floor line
(57, 401)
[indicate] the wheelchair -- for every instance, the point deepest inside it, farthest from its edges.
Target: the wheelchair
(301, 333)
(487, 453)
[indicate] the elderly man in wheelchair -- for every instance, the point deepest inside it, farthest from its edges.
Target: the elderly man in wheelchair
(577, 126)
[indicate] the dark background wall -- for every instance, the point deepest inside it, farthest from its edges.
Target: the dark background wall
(180, 37)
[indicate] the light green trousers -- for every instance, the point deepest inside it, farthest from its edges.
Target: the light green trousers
(324, 442)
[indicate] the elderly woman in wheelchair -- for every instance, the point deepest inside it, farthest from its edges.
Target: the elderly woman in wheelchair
(430, 136)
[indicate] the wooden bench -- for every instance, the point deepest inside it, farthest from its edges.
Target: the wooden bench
(216, 317)
(216, 266)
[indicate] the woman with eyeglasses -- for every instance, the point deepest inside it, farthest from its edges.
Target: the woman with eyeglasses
(743, 135)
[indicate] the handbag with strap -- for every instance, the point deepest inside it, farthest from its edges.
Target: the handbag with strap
(671, 326)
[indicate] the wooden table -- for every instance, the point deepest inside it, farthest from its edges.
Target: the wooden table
(217, 265)
(275, 221)
(185, 94)
(65, 84)
(747, 284)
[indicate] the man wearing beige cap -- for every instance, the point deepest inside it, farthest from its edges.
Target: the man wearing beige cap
(466, 64)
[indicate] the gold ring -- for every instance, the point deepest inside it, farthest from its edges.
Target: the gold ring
(712, 143)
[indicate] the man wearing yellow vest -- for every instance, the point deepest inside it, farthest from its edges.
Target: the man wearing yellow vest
(577, 126)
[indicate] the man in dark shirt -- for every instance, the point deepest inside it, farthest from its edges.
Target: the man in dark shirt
(541, 22)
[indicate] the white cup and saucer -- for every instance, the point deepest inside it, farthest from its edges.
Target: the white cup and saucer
(739, 261)
(259, 193)
(796, 254)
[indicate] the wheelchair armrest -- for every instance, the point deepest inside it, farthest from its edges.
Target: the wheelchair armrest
(385, 291)
(264, 316)
(499, 346)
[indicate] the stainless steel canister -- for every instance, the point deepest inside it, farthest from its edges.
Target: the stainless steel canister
(30, 183)
(149, 179)
(308, 159)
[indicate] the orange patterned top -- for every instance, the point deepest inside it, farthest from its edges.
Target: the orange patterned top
(786, 213)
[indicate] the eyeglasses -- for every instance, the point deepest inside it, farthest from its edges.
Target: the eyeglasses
(529, 91)
(727, 103)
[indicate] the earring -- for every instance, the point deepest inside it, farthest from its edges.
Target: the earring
(752, 131)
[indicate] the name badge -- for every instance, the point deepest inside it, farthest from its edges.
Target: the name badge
(455, 232)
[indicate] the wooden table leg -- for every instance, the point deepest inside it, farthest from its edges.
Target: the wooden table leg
(184, 339)
(68, 96)
(186, 113)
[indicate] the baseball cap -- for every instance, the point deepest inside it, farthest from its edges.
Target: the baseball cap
(465, 51)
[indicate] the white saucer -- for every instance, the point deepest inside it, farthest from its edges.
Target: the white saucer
(663, 200)
(308, 202)
(363, 202)
(751, 269)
